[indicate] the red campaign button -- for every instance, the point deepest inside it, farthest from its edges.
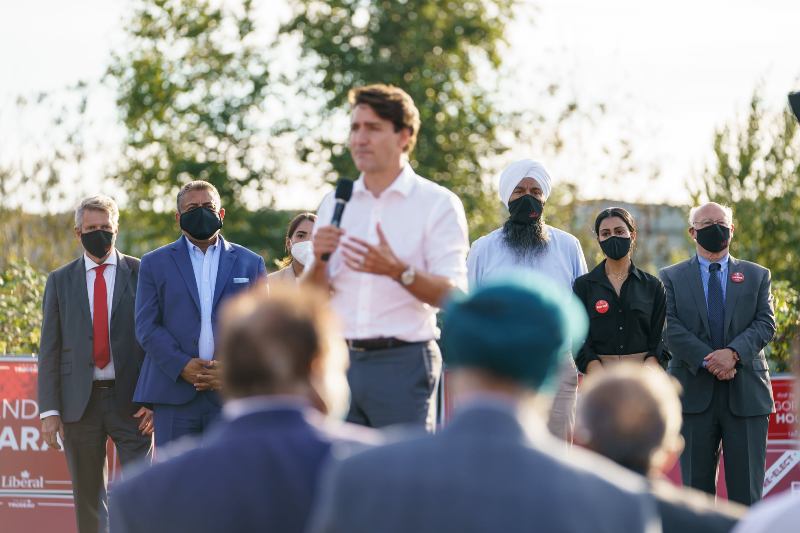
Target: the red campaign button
(737, 277)
(601, 307)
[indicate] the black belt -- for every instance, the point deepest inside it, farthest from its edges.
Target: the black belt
(103, 384)
(379, 343)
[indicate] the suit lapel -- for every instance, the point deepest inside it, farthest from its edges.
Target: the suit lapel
(121, 280)
(180, 254)
(227, 258)
(732, 291)
(80, 293)
(692, 276)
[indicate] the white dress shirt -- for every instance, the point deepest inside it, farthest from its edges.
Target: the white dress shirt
(425, 226)
(562, 261)
(109, 274)
(205, 267)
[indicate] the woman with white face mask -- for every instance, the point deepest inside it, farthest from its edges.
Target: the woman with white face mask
(298, 248)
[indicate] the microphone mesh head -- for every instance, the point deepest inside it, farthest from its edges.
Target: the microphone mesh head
(344, 189)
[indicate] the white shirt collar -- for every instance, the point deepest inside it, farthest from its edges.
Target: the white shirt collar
(193, 248)
(402, 184)
(89, 264)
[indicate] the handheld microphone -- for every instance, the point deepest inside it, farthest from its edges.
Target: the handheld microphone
(344, 190)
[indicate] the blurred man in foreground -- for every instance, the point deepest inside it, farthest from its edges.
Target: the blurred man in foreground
(492, 469)
(257, 469)
(632, 415)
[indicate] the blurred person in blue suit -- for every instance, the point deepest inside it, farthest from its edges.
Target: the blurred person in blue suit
(495, 467)
(283, 365)
(181, 287)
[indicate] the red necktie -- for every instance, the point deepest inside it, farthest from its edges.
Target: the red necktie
(101, 351)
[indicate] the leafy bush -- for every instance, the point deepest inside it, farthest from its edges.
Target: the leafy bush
(21, 290)
(787, 319)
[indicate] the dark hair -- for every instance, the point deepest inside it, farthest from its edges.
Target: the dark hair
(611, 212)
(268, 342)
(390, 103)
(293, 225)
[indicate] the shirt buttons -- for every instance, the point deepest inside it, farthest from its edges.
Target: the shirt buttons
(620, 328)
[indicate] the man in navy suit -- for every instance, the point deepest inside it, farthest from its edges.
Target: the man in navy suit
(257, 470)
(181, 286)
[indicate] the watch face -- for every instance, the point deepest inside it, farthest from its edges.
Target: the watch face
(407, 277)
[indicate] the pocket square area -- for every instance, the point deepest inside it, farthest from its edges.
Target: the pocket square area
(241, 280)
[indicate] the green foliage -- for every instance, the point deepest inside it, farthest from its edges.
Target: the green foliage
(441, 52)
(192, 84)
(21, 291)
(757, 173)
(44, 241)
(787, 319)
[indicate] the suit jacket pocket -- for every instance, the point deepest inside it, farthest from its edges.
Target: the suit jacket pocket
(760, 364)
(66, 367)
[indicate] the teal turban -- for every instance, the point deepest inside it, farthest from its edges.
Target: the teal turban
(516, 327)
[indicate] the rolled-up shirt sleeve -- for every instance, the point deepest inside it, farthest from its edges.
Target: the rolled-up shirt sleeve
(447, 241)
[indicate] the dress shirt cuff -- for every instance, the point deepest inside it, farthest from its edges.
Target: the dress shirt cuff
(52, 412)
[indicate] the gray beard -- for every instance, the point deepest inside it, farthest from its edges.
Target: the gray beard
(525, 240)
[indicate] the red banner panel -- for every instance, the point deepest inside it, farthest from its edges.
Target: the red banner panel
(35, 486)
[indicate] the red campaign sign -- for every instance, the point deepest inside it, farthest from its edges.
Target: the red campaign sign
(35, 486)
(782, 424)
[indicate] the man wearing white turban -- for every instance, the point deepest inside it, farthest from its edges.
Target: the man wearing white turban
(526, 242)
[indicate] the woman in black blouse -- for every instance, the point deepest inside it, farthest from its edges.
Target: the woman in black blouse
(626, 305)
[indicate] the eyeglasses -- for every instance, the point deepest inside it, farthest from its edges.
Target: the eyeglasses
(708, 222)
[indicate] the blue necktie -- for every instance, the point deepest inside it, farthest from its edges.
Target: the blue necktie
(716, 307)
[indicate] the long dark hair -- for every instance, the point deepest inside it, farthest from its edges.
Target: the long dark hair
(295, 222)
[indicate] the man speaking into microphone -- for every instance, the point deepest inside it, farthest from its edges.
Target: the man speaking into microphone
(398, 251)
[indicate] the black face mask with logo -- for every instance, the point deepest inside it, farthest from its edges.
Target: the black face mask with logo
(714, 238)
(525, 210)
(98, 243)
(201, 223)
(616, 247)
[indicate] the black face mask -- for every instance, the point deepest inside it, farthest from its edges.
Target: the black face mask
(201, 223)
(525, 210)
(98, 243)
(616, 247)
(714, 238)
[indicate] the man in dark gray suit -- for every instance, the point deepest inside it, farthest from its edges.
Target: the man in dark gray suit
(719, 319)
(632, 415)
(495, 467)
(89, 361)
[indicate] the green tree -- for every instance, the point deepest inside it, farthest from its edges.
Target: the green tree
(192, 82)
(757, 172)
(442, 52)
(21, 290)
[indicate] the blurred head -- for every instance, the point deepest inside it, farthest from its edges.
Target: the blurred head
(384, 124)
(632, 415)
(299, 231)
(200, 212)
(711, 227)
(97, 225)
(616, 232)
(284, 343)
(513, 331)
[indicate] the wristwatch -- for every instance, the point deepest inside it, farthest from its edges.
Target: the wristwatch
(408, 276)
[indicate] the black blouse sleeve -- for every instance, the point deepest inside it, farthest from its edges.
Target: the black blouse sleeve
(586, 353)
(655, 343)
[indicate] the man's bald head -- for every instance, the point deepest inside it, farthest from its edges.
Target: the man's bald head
(710, 211)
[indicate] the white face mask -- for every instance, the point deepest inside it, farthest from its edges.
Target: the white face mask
(303, 252)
